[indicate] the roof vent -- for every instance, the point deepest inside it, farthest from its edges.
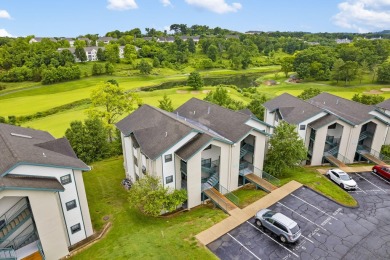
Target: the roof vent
(23, 136)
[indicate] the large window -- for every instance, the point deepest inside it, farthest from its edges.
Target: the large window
(66, 179)
(71, 205)
(76, 228)
(168, 158)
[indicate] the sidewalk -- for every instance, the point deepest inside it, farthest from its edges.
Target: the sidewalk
(239, 216)
(349, 169)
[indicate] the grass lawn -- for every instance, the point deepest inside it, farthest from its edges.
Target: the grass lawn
(248, 194)
(313, 179)
(134, 236)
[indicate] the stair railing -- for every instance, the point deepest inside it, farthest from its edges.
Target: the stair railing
(13, 212)
(7, 253)
(220, 202)
(229, 195)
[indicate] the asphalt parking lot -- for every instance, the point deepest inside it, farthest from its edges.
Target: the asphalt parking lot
(329, 231)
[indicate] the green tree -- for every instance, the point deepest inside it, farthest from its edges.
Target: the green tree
(286, 150)
(109, 68)
(337, 70)
(287, 65)
(109, 102)
(100, 54)
(309, 93)
(384, 73)
(191, 45)
(89, 140)
(368, 99)
(256, 106)
(212, 52)
(195, 81)
(221, 97)
(80, 54)
(144, 67)
(129, 54)
(97, 69)
(166, 103)
(111, 53)
(150, 197)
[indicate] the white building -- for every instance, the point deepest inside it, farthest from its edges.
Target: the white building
(43, 205)
(199, 147)
(334, 129)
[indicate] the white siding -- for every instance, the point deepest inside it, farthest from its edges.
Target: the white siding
(257, 125)
(169, 167)
(73, 216)
(302, 133)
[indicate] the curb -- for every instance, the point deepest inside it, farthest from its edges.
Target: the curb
(346, 206)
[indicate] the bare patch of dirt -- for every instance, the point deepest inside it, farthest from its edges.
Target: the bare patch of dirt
(195, 92)
(181, 91)
(385, 89)
(373, 91)
(205, 91)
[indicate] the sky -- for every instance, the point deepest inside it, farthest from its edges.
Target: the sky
(72, 18)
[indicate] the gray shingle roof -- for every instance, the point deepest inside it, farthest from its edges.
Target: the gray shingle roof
(352, 112)
(385, 104)
(20, 145)
(155, 130)
(325, 120)
(13, 181)
(292, 109)
(194, 145)
(227, 123)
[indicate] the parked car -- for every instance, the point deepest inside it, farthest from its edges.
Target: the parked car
(382, 170)
(342, 178)
(285, 228)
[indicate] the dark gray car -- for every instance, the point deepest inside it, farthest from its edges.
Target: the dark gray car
(285, 228)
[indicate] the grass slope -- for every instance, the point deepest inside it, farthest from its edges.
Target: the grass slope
(134, 236)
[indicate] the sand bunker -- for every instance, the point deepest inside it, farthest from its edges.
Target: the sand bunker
(385, 89)
(373, 91)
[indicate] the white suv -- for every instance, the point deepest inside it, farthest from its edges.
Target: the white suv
(342, 178)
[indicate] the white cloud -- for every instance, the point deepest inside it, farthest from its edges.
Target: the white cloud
(4, 14)
(166, 2)
(122, 4)
(4, 33)
(216, 6)
(363, 15)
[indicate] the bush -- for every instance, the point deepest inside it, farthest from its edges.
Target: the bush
(60, 74)
(17, 74)
(385, 150)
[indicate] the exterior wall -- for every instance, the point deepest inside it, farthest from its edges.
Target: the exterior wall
(168, 168)
(78, 176)
(194, 185)
(269, 118)
(177, 172)
(351, 145)
(7, 202)
(213, 153)
(260, 149)
(234, 166)
(72, 216)
(379, 137)
(48, 220)
(257, 125)
(128, 157)
(302, 133)
(319, 145)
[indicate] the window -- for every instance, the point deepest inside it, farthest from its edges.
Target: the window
(135, 160)
(66, 179)
(169, 179)
(280, 226)
(75, 228)
(302, 127)
(168, 158)
(71, 205)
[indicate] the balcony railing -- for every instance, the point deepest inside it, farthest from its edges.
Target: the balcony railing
(228, 194)
(8, 253)
(362, 149)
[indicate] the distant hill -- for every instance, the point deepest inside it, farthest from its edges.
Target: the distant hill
(384, 32)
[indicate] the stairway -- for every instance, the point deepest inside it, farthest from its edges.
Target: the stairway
(211, 182)
(247, 148)
(372, 158)
(224, 203)
(260, 182)
(29, 239)
(333, 160)
(7, 254)
(13, 225)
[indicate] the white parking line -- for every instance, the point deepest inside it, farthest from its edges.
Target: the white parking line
(361, 190)
(307, 239)
(244, 246)
(313, 206)
(370, 182)
(377, 175)
(352, 191)
(272, 239)
(302, 216)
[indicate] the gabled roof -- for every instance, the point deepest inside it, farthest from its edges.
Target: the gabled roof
(292, 109)
(227, 123)
(154, 129)
(350, 111)
(20, 145)
(384, 105)
(21, 182)
(325, 120)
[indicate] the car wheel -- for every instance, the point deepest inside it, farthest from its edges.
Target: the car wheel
(258, 223)
(283, 239)
(374, 170)
(342, 185)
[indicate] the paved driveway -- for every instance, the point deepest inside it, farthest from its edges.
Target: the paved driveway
(329, 231)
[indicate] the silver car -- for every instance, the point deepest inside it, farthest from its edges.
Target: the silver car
(285, 228)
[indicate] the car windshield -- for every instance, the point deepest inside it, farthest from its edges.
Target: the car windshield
(295, 229)
(345, 177)
(269, 214)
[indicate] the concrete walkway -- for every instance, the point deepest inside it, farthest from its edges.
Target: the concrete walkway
(351, 168)
(239, 216)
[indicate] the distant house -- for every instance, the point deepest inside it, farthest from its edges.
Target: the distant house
(87, 40)
(171, 39)
(70, 40)
(90, 52)
(200, 147)
(43, 205)
(39, 39)
(346, 40)
(334, 129)
(105, 40)
(253, 32)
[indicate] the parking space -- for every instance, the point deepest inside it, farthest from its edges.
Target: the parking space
(328, 229)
